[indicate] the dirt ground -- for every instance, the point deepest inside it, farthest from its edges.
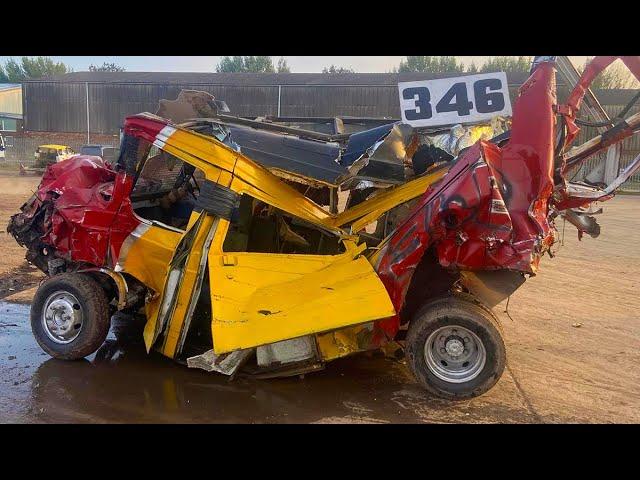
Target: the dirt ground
(15, 273)
(572, 335)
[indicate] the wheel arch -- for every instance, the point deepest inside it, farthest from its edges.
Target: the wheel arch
(117, 283)
(429, 281)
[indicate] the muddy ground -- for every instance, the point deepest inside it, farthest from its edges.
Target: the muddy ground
(572, 335)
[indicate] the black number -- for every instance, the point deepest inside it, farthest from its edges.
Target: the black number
(462, 105)
(423, 110)
(488, 102)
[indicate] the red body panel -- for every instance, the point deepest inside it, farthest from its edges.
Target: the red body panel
(92, 214)
(491, 210)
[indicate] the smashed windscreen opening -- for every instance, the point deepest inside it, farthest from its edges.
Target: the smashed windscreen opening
(261, 228)
(166, 188)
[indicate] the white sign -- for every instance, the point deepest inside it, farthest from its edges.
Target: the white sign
(448, 101)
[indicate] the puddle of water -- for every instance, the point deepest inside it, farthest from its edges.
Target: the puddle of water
(121, 383)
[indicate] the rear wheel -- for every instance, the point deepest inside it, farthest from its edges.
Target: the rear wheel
(70, 316)
(455, 349)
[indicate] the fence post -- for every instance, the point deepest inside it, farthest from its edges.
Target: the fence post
(86, 86)
(279, 98)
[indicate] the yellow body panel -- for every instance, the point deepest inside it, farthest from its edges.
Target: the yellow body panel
(263, 298)
(187, 294)
(172, 292)
(369, 210)
(55, 146)
(345, 341)
(212, 157)
(146, 256)
(260, 298)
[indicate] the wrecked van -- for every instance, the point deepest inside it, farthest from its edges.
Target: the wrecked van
(237, 271)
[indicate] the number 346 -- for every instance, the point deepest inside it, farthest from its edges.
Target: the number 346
(486, 93)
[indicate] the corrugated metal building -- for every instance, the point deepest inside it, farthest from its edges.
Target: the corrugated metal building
(101, 100)
(98, 102)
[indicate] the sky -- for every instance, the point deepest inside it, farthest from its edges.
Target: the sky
(301, 64)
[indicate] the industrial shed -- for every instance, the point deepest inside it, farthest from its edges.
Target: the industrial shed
(98, 102)
(10, 106)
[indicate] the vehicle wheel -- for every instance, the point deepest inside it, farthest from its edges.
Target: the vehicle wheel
(70, 316)
(454, 347)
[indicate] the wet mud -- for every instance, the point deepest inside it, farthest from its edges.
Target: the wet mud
(121, 383)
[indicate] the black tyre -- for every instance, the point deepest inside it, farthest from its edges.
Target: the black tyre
(455, 348)
(70, 316)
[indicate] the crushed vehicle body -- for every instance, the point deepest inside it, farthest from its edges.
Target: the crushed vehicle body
(202, 225)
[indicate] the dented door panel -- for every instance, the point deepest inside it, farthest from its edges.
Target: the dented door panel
(263, 298)
(188, 289)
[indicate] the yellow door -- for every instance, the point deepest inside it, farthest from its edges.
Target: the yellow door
(183, 281)
(260, 298)
(173, 264)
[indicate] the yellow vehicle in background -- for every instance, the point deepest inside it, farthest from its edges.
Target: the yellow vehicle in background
(46, 155)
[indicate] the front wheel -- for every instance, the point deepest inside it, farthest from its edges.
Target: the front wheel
(455, 349)
(70, 316)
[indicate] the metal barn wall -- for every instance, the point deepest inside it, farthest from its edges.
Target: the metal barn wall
(347, 100)
(62, 107)
(327, 101)
(54, 107)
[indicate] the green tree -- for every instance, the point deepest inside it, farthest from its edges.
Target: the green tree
(253, 64)
(259, 64)
(334, 69)
(106, 67)
(473, 68)
(3, 76)
(283, 67)
(14, 71)
(230, 64)
(422, 63)
(614, 76)
(507, 64)
(32, 67)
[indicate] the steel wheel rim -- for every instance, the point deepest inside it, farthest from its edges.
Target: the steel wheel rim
(62, 317)
(455, 354)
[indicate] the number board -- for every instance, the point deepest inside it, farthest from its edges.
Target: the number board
(448, 101)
